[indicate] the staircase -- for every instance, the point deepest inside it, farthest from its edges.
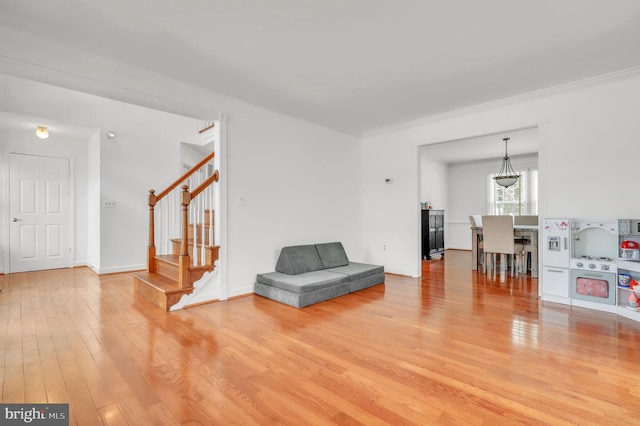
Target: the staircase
(181, 237)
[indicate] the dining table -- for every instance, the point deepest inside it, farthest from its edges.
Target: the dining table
(529, 232)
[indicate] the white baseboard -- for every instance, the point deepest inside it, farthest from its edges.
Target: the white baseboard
(117, 269)
(556, 299)
(413, 273)
(100, 271)
(594, 305)
(240, 292)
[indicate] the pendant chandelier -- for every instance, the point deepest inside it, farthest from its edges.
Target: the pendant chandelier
(507, 176)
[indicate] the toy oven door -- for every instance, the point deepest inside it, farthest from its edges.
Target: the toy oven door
(594, 286)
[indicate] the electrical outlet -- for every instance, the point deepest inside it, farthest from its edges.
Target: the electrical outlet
(109, 204)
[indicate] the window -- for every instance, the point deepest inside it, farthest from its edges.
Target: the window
(518, 199)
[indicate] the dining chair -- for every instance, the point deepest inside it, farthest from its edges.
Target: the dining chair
(476, 222)
(528, 248)
(525, 220)
(526, 256)
(498, 238)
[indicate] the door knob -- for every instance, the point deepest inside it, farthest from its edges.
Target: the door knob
(15, 219)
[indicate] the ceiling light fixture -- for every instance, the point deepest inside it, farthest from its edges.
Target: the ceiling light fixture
(42, 132)
(111, 134)
(507, 176)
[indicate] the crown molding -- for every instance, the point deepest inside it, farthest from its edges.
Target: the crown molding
(553, 90)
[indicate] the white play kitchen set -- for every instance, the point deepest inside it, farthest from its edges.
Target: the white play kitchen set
(592, 264)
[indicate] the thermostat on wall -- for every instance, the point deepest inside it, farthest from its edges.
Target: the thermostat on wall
(388, 180)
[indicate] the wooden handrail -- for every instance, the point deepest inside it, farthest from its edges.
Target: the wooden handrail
(181, 179)
(185, 199)
(209, 127)
(213, 178)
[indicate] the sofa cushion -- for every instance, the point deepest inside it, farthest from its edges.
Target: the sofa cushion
(299, 300)
(356, 270)
(302, 283)
(364, 282)
(332, 255)
(296, 260)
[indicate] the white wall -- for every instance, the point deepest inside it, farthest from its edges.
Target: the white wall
(299, 181)
(390, 218)
(433, 181)
(191, 154)
(587, 159)
(25, 142)
(468, 188)
(144, 155)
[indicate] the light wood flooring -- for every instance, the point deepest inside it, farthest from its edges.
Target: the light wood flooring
(453, 348)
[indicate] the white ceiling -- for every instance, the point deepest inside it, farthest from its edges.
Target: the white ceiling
(21, 122)
(352, 65)
(521, 142)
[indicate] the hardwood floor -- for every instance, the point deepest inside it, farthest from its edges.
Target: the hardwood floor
(455, 347)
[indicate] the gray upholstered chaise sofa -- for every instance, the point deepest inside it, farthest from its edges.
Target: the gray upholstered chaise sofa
(313, 273)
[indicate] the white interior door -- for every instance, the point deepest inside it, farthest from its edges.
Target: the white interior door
(39, 235)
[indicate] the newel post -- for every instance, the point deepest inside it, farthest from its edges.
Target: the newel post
(151, 250)
(184, 280)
